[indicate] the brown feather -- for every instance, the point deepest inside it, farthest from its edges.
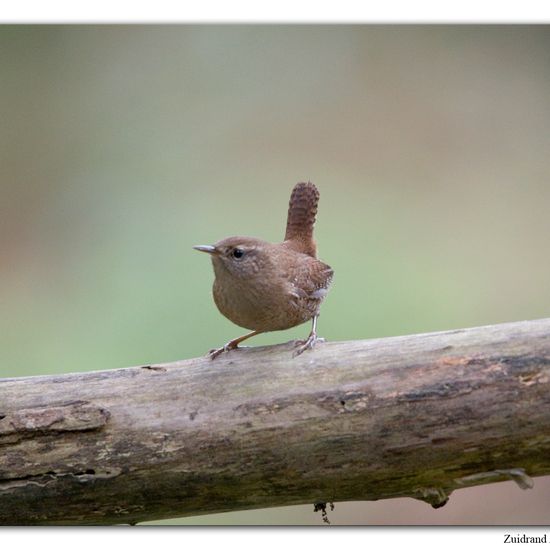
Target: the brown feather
(302, 210)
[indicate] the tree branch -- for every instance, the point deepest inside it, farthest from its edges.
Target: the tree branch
(415, 416)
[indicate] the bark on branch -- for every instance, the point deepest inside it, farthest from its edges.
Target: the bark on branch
(415, 416)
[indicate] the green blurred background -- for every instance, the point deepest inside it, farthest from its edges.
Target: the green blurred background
(123, 146)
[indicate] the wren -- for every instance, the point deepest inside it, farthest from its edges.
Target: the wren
(265, 287)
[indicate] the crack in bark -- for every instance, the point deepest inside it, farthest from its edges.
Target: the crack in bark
(67, 417)
(46, 478)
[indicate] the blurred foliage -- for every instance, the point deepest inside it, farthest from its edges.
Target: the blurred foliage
(123, 146)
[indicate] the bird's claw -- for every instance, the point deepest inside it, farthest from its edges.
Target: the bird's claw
(302, 345)
(213, 353)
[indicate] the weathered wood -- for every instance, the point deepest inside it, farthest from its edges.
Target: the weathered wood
(414, 416)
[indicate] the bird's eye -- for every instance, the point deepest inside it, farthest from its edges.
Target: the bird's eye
(238, 253)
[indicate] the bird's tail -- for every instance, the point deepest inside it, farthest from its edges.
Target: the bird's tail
(302, 210)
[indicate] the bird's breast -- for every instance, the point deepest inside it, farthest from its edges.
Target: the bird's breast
(264, 305)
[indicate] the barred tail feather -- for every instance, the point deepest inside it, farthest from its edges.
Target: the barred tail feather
(302, 210)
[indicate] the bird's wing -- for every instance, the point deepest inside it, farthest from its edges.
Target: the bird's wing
(311, 279)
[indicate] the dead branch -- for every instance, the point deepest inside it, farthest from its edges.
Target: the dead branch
(415, 416)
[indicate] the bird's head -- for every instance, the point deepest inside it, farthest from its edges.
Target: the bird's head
(240, 257)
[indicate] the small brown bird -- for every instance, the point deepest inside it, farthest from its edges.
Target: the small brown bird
(263, 286)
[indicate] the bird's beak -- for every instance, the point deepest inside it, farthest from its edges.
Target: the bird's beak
(206, 248)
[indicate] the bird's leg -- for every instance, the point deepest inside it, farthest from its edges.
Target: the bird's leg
(312, 339)
(232, 344)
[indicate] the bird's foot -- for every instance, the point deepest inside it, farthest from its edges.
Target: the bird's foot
(213, 353)
(302, 345)
(232, 344)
